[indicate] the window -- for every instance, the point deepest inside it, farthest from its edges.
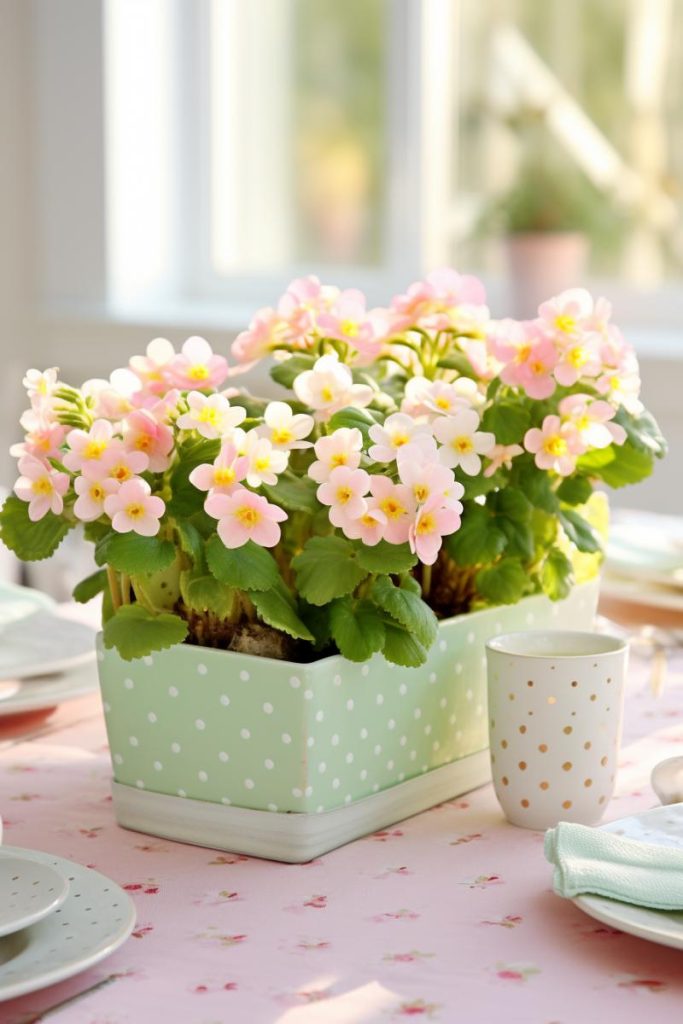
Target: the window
(371, 140)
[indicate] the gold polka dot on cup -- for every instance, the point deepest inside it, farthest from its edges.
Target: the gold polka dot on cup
(522, 766)
(524, 803)
(568, 730)
(544, 785)
(543, 747)
(575, 682)
(530, 682)
(522, 729)
(567, 766)
(511, 696)
(505, 780)
(603, 761)
(588, 783)
(552, 700)
(587, 745)
(566, 804)
(504, 744)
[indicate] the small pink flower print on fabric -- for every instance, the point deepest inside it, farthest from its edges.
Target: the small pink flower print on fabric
(466, 839)
(515, 972)
(509, 921)
(142, 931)
(482, 881)
(418, 1008)
(312, 946)
(395, 915)
(317, 902)
(643, 984)
(410, 957)
(390, 872)
(215, 937)
(385, 835)
(238, 858)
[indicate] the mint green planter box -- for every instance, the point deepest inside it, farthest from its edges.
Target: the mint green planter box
(237, 731)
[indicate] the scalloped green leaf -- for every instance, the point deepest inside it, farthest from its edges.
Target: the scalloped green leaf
(134, 554)
(327, 568)
(32, 542)
(202, 592)
(407, 608)
(357, 628)
(277, 609)
(249, 567)
(135, 632)
(90, 587)
(403, 648)
(385, 557)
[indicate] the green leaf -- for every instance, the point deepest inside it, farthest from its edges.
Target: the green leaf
(385, 557)
(317, 620)
(361, 419)
(519, 536)
(557, 575)
(185, 498)
(95, 530)
(407, 608)
(30, 541)
(357, 628)
(133, 554)
(402, 648)
(513, 517)
(277, 609)
(536, 485)
(90, 587)
(327, 568)
(595, 459)
(579, 531)
(191, 542)
(575, 490)
(249, 567)
(135, 632)
(479, 540)
(458, 361)
(509, 421)
(408, 582)
(643, 432)
(294, 495)
(504, 583)
(629, 466)
(202, 592)
(285, 372)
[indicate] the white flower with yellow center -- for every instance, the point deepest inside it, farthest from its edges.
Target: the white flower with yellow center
(265, 461)
(329, 387)
(462, 444)
(284, 429)
(212, 416)
(397, 431)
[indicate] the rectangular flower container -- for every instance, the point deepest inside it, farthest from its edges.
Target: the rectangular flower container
(287, 761)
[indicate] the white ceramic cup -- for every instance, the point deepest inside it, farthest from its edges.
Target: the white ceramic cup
(555, 706)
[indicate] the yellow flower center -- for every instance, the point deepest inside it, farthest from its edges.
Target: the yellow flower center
(198, 372)
(583, 422)
(248, 516)
(565, 323)
(421, 492)
(442, 403)
(135, 510)
(555, 445)
(427, 524)
(578, 357)
(398, 440)
(43, 485)
(344, 495)
(262, 463)
(223, 476)
(392, 508)
(42, 442)
(523, 353)
(121, 472)
(463, 444)
(339, 459)
(368, 520)
(538, 368)
(349, 328)
(95, 449)
(42, 387)
(281, 435)
(209, 414)
(143, 442)
(615, 383)
(327, 394)
(96, 492)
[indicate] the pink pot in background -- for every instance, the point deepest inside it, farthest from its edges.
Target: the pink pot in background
(541, 264)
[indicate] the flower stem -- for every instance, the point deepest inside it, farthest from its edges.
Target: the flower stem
(113, 581)
(426, 580)
(125, 588)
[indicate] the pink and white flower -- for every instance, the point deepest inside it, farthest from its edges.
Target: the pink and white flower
(340, 448)
(502, 455)
(43, 437)
(344, 491)
(397, 431)
(265, 463)
(89, 448)
(142, 432)
(111, 399)
(429, 481)
(133, 508)
(121, 464)
(224, 474)
(329, 387)
(578, 358)
(621, 384)
(446, 300)
(463, 445)
(432, 523)
(591, 419)
(568, 314)
(347, 320)
(243, 516)
(40, 384)
(196, 366)
(555, 446)
(41, 486)
(92, 491)
(285, 429)
(397, 503)
(424, 397)
(211, 415)
(153, 369)
(370, 527)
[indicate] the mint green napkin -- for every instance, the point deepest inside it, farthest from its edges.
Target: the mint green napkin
(589, 860)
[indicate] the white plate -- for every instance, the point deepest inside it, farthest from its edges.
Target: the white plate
(41, 643)
(660, 826)
(29, 891)
(94, 920)
(647, 546)
(640, 592)
(40, 693)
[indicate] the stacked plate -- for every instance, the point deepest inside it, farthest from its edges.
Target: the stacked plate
(44, 657)
(57, 918)
(644, 566)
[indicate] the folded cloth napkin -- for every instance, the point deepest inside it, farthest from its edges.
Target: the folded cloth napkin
(589, 860)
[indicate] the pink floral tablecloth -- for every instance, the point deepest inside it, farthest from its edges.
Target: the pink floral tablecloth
(447, 917)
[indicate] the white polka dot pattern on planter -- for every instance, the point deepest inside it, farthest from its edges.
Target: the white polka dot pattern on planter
(555, 705)
(254, 733)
